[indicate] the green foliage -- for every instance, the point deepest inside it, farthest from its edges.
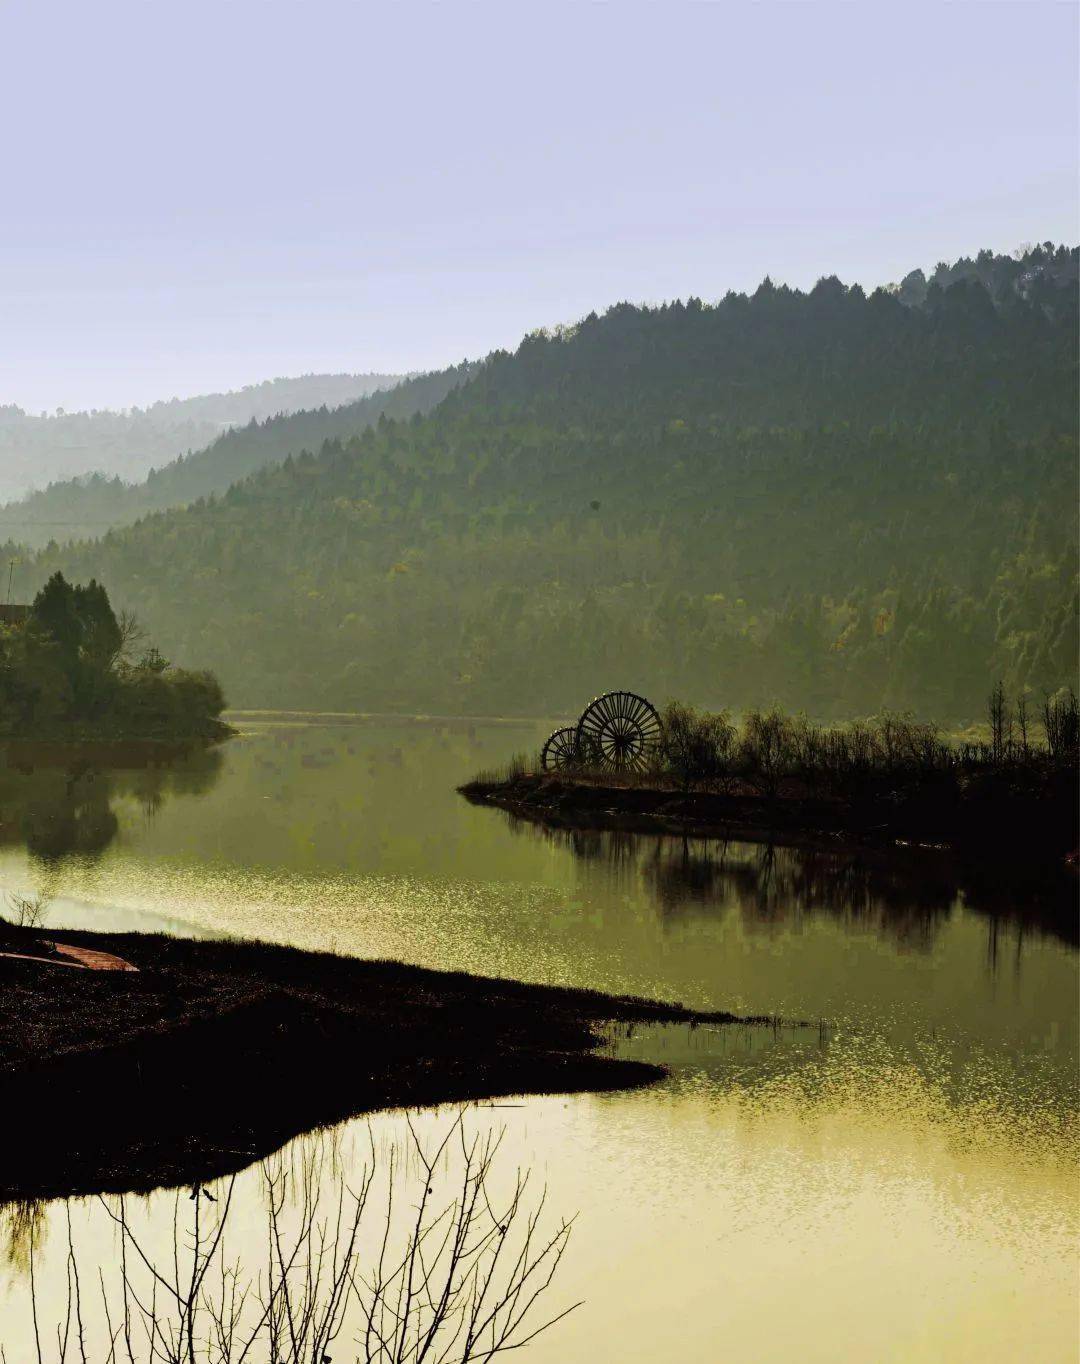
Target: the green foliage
(64, 672)
(831, 500)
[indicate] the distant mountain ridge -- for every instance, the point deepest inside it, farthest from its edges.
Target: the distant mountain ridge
(87, 507)
(92, 503)
(39, 449)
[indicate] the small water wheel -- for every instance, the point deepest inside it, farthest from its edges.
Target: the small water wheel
(619, 731)
(560, 752)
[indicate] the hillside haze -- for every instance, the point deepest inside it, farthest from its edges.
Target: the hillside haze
(36, 450)
(87, 507)
(838, 501)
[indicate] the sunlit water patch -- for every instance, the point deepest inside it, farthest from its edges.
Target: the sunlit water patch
(896, 1181)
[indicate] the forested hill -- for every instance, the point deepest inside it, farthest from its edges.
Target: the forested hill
(838, 501)
(86, 507)
(38, 449)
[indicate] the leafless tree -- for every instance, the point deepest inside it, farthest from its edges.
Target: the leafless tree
(1022, 724)
(1061, 724)
(132, 635)
(1000, 725)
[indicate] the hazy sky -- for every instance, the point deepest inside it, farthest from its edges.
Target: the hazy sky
(197, 196)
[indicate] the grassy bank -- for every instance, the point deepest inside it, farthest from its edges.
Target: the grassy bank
(212, 1054)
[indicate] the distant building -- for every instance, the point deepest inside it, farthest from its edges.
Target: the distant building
(14, 615)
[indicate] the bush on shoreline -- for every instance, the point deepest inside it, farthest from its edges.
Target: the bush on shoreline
(74, 669)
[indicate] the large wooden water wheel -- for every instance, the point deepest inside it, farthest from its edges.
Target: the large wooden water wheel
(619, 731)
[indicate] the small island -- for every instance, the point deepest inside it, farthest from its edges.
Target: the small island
(1008, 793)
(72, 670)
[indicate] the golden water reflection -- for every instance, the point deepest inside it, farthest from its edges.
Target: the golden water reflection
(860, 1217)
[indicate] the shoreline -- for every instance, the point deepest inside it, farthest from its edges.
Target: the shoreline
(413, 719)
(210, 1054)
(107, 750)
(211, 732)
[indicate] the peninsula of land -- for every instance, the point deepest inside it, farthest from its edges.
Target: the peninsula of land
(131, 1061)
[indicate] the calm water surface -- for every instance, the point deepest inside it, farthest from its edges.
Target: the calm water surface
(899, 1186)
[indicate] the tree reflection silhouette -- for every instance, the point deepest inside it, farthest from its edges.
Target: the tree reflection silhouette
(58, 800)
(905, 895)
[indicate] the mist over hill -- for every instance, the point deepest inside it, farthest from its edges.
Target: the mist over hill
(39, 449)
(838, 501)
(87, 507)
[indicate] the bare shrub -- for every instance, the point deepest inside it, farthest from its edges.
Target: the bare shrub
(27, 911)
(766, 749)
(1061, 724)
(997, 711)
(695, 745)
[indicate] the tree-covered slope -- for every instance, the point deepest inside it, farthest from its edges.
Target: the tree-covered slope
(86, 507)
(39, 449)
(836, 501)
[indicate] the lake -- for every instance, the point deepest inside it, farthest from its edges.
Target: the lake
(896, 1181)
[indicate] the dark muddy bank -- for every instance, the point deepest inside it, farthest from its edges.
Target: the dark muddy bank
(999, 819)
(212, 1054)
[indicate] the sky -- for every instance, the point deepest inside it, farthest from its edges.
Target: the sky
(198, 196)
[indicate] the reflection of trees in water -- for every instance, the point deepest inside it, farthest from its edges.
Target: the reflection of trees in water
(60, 801)
(774, 886)
(67, 813)
(426, 1251)
(905, 896)
(1041, 902)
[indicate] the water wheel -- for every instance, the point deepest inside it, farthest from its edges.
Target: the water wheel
(560, 751)
(619, 731)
